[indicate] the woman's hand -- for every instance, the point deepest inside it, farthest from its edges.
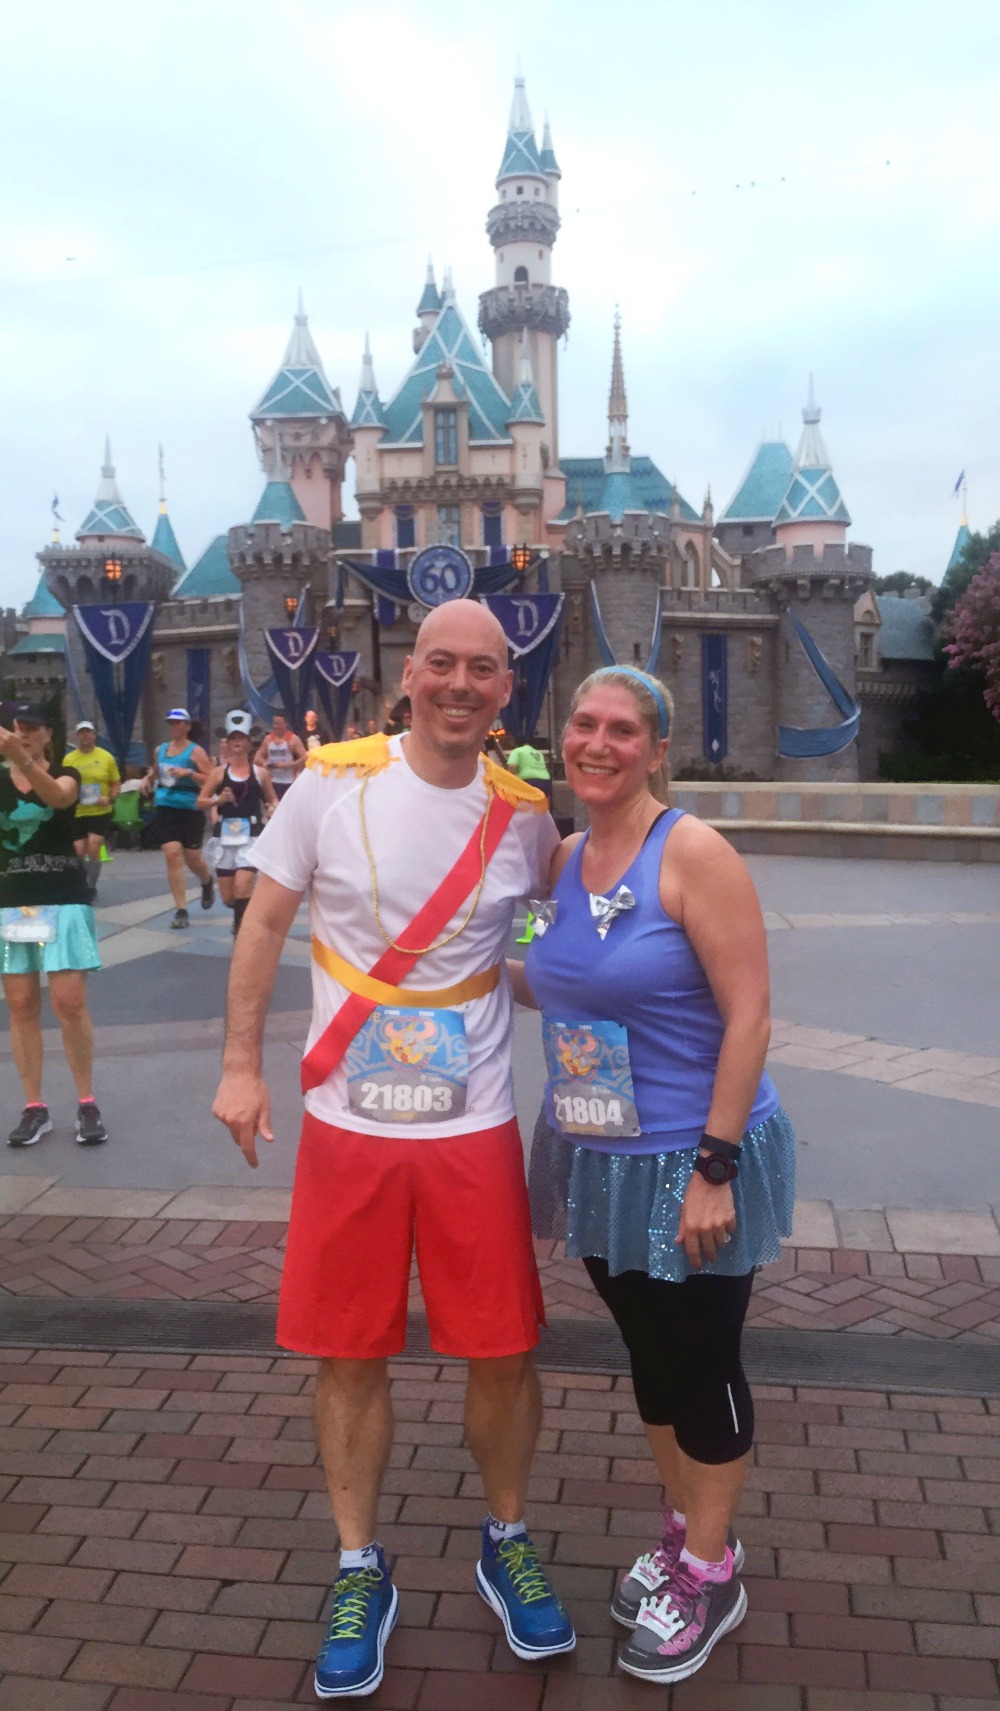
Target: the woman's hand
(12, 748)
(708, 1219)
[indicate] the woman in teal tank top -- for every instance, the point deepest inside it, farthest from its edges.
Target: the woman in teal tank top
(663, 1154)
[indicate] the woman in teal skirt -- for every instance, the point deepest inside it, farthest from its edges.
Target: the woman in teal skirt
(663, 1154)
(46, 922)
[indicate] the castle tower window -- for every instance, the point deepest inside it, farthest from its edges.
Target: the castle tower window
(520, 276)
(446, 436)
(867, 659)
(492, 524)
(406, 526)
(449, 525)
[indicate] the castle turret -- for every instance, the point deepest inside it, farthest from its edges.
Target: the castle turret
(815, 576)
(109, 521)
(812, 513)
(299, 425)
(522, 227)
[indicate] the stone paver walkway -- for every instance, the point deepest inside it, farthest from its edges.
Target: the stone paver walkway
(166, 1545)
(943, 1296)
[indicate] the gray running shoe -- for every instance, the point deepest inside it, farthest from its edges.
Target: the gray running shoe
(35, 1122)
(181, 919)
(649, 1574)
(208, 894)
(90, 1130)
(675, 1634)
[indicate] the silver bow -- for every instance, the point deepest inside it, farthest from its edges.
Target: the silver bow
(544, 911)
(607, 909)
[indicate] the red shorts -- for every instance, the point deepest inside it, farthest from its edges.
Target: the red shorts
(359, 1203)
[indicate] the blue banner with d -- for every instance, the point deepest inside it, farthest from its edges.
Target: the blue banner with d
(335, 675)
(531, 624)
(715, 695)
(116, 643)
(292, 653)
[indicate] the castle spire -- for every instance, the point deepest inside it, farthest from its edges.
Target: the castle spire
(109, 516)
(430, 301)
(300, 387)
(617, 456)
(368, 411)
(550, 166)
(813, 498)
(164, 540)
(520, 155)
(524, 405)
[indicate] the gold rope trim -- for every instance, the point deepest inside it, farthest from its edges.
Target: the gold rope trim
(517, 792)
(363, 755)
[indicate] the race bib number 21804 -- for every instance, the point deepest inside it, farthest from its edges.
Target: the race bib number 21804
(590, 1089)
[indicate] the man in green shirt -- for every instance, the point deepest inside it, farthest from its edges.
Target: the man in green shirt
(529, 763)
(100, 782)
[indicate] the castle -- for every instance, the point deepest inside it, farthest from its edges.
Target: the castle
(466, 451)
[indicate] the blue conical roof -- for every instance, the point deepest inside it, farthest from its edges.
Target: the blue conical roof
(109, 515)
(547, 157)
(368, 411)
(812, 495)
(209, 575)
(520, 155)
(43, 603)
(430, 299)
(300, 387)
(165, 541)
(278, 504)
(962, 540)
(762, 489)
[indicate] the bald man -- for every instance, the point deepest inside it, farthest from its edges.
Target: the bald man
(413, 850)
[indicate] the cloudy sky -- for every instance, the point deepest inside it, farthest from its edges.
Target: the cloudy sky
(764, 190)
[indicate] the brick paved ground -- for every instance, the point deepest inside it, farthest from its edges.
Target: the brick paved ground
(943, 1296)
(165, 1545)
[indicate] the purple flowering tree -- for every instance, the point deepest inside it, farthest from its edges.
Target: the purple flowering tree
(975, 631)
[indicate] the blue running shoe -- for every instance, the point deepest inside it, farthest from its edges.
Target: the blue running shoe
(365, 1607)
(511, 1579)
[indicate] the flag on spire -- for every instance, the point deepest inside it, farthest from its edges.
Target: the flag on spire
(958, 485)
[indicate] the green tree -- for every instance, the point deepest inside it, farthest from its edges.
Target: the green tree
(979, 549)
(901, 580)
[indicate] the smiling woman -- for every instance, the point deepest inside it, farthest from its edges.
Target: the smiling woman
(662, 1154)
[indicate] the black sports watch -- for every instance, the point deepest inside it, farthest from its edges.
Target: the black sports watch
(720, 1164)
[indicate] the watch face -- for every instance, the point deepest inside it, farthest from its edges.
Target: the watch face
(717, 1169)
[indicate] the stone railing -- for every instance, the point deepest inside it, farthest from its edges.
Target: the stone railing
(945, 822)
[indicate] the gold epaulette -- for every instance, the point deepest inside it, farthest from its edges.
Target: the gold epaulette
(514, 790)
(363, 755)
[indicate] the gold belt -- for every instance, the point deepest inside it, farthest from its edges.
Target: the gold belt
(366, 986)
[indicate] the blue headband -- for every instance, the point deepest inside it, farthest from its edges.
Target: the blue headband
(649, 684)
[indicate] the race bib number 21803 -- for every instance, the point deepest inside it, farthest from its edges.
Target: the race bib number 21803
(408, 1066)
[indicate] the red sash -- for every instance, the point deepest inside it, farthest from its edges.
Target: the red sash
(394, 963)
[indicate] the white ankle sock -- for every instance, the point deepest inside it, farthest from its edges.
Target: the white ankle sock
(363, 1558)
(678, 1518)
(710, 1570)
(500, 1530)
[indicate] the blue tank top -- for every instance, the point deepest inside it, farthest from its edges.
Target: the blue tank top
(182, 794)
(645, 976)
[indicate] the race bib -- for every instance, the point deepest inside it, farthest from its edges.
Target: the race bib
(408, 1066)
(590, 1079)
(234, 832)
(90, 795)
(29, 925)
(168, 777)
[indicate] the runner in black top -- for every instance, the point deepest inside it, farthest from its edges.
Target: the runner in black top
(243, 795)
(46, 923)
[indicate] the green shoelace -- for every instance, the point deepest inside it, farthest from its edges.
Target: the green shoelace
(351, 1596)
(520, 1559)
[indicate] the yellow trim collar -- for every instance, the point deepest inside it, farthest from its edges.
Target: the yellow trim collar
(363, 755)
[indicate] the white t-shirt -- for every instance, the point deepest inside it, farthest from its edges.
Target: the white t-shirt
(417, 832)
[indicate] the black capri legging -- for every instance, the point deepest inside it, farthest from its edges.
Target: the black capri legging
(683, 1341)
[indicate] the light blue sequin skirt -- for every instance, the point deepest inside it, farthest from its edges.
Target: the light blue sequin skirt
(74, 946)
(626, 1208)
